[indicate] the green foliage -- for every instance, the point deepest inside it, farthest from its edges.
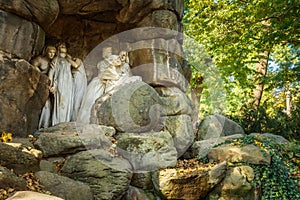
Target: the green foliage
(270, 117)
(280, 179)
(234, 34)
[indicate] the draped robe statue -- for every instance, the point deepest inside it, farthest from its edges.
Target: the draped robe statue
(62, 86)
(113, 72)
(80, 85)
(99, 85)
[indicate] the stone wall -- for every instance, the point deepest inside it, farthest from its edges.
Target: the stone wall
(27, 26)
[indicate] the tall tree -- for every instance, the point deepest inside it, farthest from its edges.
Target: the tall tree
(241, 36)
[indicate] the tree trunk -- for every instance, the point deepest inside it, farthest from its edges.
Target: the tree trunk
(261, 69)
(288, 101)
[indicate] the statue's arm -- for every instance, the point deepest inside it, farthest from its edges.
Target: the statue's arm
(51, 76)
(36, 63)
(75, 63)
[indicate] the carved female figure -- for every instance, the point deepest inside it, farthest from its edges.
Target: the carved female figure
(42, 64)
(61, 86)
(105, 81)
(80, 84)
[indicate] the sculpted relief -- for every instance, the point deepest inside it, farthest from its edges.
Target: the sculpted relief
(71, 99)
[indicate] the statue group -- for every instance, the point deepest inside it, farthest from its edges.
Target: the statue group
(70, 98)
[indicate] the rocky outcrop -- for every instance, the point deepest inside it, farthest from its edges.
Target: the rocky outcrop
(236, 185)
(29, 195)
(22, 38)
(249, 153)
(137, 193)
(215, 126)
(70, 138)
(91, 22)
(43, 12)
(134, 107)
(181, 129)
(147, 151)
(10, 180)
(105, 182)
(23, 93)
(191, 183)
(13, 157)
(175, 102)
(64, 187)
(201, 148)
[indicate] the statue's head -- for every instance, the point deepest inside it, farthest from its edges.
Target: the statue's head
(124, 56)
(50, 52)
(114, 60)
(106, 52)
(62, 49)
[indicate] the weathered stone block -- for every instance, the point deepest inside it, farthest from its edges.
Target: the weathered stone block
(20, 37)
(43, 12)
(64, 187)
(160, 18)
(135, 107)
(10, 180)
(248, 153)
(14, 158)
(29, 195)
(108, 176)
(215, 126)
(175, 102)
(137, 193)
(23, 93)
(147, 151)
(201, 148)
(70, 137)
(236, 185)
(191, 183)
(181, 129)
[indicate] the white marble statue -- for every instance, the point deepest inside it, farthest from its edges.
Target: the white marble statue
(113, 72)
(100, 84)
(42, 64)
(80, 85)
(62, 86)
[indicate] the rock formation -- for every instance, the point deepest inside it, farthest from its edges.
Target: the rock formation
(111, 158)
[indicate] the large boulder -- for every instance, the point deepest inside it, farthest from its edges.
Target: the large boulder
(201, 148)
(215, 126)
(107, 174)
(20, 37)
(147, 151)
(10, 180)
(13, 157)
(190, 183)
(64, 187)
(43, 12)
(70, 137)
(247, 153)
(134, 107)
(236, 185)
(181, 129)
(142, 180)
(175, 102)
(29, 195)
(23, 93)
(272, 137)
(137, 193)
